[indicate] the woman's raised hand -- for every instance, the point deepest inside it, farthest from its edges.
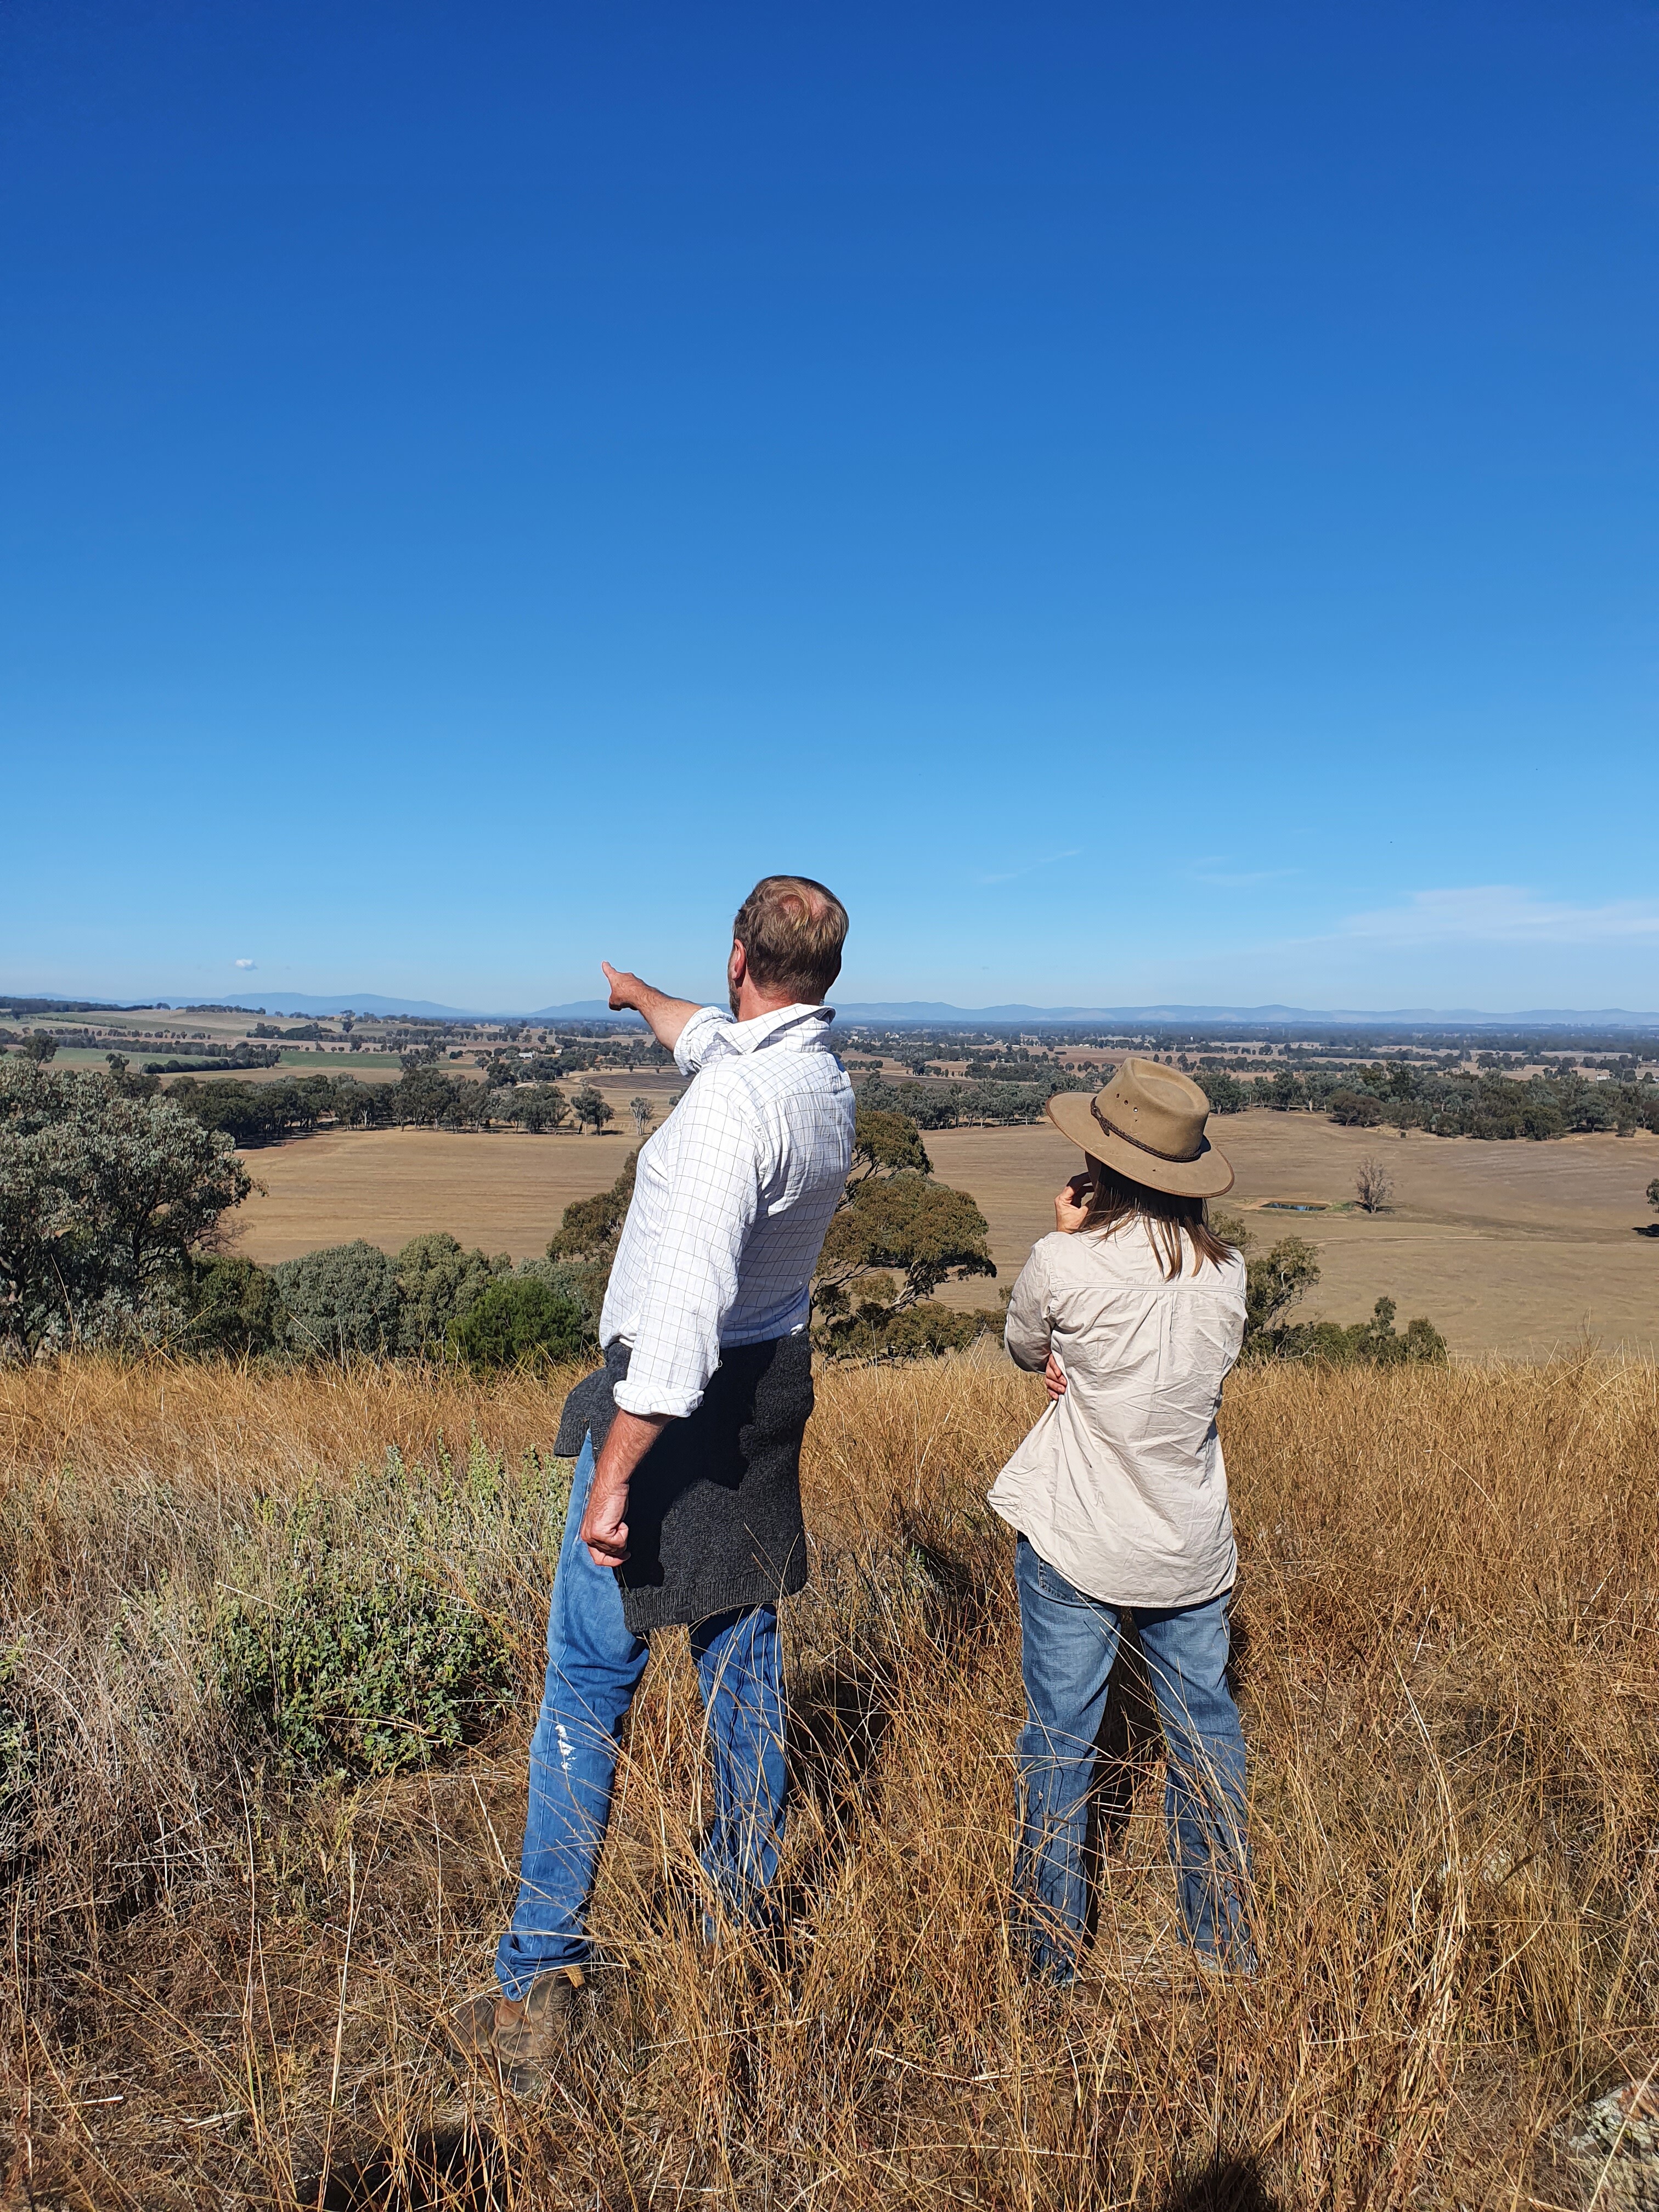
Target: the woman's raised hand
(1072, 1205)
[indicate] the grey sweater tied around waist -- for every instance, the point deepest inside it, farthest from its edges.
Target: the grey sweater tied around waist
(713, 1510)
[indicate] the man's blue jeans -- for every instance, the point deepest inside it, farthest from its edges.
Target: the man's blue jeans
(1068, 1642)
(594, 1665)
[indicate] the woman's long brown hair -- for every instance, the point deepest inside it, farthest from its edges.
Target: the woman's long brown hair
(1115, 1198)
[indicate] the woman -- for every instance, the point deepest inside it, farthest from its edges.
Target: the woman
(1134, 1310)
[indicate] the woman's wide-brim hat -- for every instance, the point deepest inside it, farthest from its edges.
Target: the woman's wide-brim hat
(1148, 1124)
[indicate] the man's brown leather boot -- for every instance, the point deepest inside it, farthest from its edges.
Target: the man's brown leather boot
(521, 2035)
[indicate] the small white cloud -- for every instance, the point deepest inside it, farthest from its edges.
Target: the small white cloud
(1503, 913)
(247, 963)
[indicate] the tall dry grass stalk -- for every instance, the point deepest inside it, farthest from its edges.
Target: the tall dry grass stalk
(223, 1988)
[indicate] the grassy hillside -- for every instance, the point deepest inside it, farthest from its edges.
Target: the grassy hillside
(225, 1967)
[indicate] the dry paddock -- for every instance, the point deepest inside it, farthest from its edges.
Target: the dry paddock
(222, 1991)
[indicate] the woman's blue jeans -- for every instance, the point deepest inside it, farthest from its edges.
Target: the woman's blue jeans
(1068, 1642)
(594, 1665)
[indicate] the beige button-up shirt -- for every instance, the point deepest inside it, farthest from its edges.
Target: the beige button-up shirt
(1122, 1485)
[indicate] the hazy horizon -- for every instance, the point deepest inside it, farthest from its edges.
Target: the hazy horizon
(371, 1003)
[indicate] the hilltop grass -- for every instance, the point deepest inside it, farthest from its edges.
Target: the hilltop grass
(225, 1969)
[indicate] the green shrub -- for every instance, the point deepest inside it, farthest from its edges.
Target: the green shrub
(359, 1656)
(521, 1319)
(439, 1282)
(18, 1759)
(1373, 1343)
(344, 1299)
(235, 1308)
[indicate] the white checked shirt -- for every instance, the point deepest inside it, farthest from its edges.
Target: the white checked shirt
(732, 1198)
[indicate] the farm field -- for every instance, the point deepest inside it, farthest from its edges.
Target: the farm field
(1511, 1249)
(1515, 1249)
(502, 1190)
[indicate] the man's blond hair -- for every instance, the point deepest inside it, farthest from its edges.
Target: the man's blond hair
(792, 931)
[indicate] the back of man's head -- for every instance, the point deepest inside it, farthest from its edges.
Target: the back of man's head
(792, 931)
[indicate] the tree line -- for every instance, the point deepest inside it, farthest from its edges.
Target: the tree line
(1467, 1103)
(1474, 1103)
(116, 1200)
(423, 1097)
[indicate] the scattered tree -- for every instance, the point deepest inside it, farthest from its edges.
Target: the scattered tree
(1272, 1285)
(589, 1107)
(591, 1227)
(537, 1107)
(896, 1221)
(131, 1085)
(40, 1046)
(588, 1234)
(1225, 1093)
(1355, 1109)
(1653, 1193)
(103, 1200)
(644, 1114)
(886, 1143)
(1287, 1272)
(1373, 1185)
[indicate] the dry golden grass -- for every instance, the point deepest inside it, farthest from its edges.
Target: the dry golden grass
(222, 1992)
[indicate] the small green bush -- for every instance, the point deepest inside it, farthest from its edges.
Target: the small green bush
(439, 1281)
(344, 1299)
(523, 1318)
(354, 1657)
(18, 1759)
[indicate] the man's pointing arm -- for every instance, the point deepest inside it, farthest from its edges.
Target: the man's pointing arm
(665, 1017)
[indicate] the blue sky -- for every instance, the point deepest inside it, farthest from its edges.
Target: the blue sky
(1148, 503)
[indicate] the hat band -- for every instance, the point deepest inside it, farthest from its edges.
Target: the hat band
(1140, 1144)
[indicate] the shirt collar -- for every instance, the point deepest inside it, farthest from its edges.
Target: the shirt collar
(799, 1028)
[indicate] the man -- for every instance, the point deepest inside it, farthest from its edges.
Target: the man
(685, 1504)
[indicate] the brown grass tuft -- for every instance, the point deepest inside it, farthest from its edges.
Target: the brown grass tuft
(223, 1988)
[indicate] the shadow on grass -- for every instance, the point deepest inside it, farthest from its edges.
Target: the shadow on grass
(1229, 2184)
(460, 2171)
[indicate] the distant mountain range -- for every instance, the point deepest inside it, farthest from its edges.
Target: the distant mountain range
(930, 1010)
(898, 1011)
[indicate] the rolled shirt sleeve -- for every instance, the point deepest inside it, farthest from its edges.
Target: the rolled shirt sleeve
(1029, 1328)
(700, 1030)
(715, 1178)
